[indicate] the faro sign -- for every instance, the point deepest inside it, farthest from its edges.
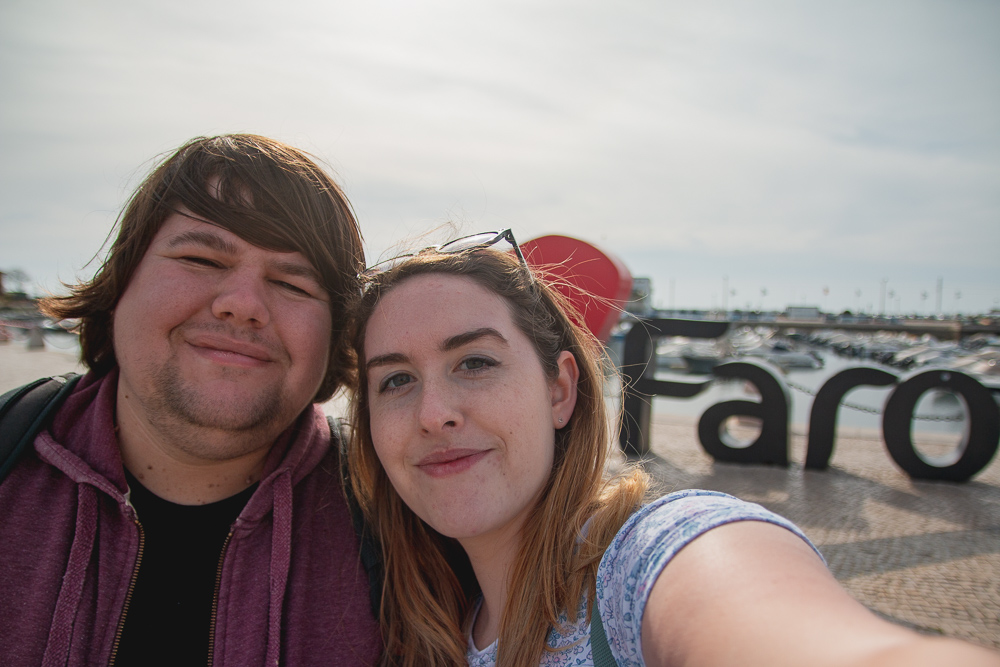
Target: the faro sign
(979, 444)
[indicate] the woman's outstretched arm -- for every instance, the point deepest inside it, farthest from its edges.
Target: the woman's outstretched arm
(752, 593)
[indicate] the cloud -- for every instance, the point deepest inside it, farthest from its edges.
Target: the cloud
(861, 133)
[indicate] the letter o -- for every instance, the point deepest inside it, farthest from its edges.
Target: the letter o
(979, 444)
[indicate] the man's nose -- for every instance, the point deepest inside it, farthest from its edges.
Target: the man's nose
(242, 298)
(440, 407)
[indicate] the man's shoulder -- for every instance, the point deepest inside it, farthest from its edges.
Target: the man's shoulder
(318, 474)
(26, 410)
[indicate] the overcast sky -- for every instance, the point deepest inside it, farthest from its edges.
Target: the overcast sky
(809, 149)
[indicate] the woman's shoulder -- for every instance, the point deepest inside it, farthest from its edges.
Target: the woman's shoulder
(647, 542)
(688, 512)
(659, 529)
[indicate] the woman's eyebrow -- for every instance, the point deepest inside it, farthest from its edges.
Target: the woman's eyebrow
(386, 359)
(449, 344)
(471, 336)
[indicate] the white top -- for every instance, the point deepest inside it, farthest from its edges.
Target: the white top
(628, 570)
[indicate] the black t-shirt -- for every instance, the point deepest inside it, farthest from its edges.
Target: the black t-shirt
(169, 616)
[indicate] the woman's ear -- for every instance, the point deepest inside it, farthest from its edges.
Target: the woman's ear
(564, 389)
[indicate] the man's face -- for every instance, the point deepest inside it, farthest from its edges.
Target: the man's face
(215, 333)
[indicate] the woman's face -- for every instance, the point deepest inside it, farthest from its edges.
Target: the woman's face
(463, 417)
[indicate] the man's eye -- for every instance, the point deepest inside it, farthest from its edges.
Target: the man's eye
(292, 288)
(201, 261)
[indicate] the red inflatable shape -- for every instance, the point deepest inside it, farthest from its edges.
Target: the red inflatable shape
(596, 283)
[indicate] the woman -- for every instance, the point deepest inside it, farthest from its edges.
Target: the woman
(478, 455)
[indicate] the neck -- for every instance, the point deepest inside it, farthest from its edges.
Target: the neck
(492, 558)
(172, 462)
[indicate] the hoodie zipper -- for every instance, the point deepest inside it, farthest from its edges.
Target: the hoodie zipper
(215, 600)
(128, 595)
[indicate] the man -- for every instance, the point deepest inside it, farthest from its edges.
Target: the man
(184, 505)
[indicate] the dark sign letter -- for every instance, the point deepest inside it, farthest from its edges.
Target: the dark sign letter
(823, 416)
(638, 368)
(772, 444)
(982, 432)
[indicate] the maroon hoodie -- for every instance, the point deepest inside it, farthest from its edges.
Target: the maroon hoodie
(291, 591)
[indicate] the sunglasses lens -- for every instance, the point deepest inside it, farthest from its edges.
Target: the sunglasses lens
(469, 242)
(474, 242)
(384, 266)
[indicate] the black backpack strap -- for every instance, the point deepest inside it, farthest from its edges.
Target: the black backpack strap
(371, 550)
(24, 412)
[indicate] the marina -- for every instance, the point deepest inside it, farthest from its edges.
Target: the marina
(805, 360)
(806, 366)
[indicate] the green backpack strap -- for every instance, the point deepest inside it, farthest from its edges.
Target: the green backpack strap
(599, 648)
(371, 550)
(24, 412)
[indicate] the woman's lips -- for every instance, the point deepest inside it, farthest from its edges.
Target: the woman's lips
(451, 462)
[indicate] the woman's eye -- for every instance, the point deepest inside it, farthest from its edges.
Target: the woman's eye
(395, 381)
(477, 364)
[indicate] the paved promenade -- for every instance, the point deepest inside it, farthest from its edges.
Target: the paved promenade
(923, 554)
(19, 365)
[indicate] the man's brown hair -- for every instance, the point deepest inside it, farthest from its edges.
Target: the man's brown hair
(267, 193)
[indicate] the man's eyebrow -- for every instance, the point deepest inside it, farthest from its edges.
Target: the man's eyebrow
(471, 336)
(219, 244)
(202, 238)
(299, 269)
(385, 360)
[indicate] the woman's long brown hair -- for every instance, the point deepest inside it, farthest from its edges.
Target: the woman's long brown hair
(429, 588)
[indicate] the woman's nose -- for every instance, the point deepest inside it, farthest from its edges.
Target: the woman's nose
(440, 408)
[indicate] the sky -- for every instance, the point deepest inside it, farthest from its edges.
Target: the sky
(754, 155)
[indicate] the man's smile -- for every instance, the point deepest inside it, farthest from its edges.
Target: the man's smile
(227, 350)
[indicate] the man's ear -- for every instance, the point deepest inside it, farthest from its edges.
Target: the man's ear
(564, 389)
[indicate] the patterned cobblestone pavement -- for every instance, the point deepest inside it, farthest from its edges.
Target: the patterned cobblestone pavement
(922, 554)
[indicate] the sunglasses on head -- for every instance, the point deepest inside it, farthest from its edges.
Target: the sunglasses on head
(465, 244)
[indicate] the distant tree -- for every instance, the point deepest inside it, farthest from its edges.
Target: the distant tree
(16, 280)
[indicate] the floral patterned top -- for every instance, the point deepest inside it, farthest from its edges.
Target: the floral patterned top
(628, 570)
